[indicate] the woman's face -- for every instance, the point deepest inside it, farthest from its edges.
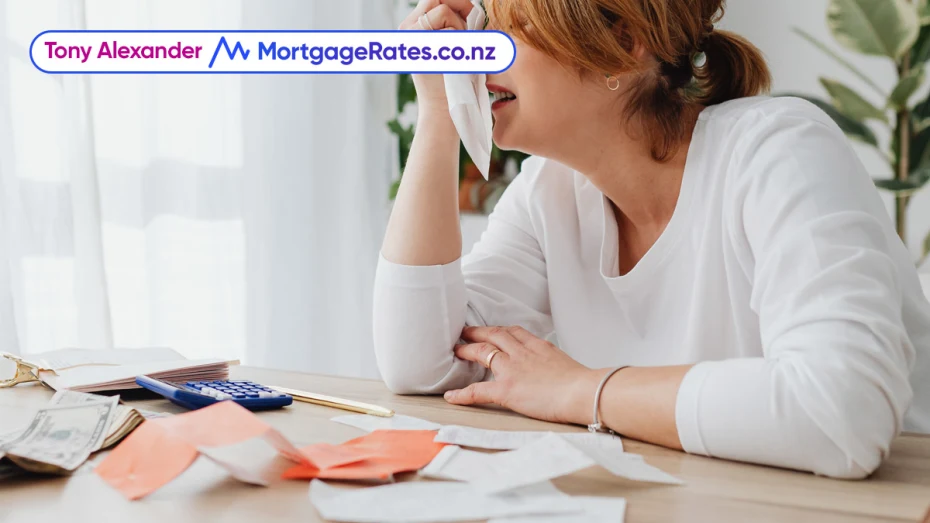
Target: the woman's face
(539, 101)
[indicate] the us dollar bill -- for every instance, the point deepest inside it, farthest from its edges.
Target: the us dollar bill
(125, 419)
(61, 438)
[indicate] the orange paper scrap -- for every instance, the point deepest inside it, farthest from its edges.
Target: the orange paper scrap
(387, 452)
(161, 449)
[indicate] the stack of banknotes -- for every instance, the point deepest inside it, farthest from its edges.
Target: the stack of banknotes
(63, 434)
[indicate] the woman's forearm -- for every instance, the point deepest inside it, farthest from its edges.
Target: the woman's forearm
(637, 402)
(803, 414)
(424, 225)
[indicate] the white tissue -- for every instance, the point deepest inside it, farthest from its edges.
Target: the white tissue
(470, 105)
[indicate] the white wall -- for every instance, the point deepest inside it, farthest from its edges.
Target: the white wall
(796, 66)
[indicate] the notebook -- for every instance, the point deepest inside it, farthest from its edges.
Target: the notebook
(91, 370)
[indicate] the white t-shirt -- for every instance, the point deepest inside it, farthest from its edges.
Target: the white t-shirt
(780, 275)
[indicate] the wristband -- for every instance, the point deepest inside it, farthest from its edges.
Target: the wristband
(596, 426)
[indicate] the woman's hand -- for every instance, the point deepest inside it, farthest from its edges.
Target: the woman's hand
(531, 376)
(435, 15)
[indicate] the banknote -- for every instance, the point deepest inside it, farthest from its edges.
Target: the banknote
(61, 438)
(125, 419)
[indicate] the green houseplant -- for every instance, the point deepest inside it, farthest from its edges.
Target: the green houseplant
(898, 30)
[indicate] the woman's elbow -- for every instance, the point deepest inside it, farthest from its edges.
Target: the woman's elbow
(401, 375)
(856, 422)
(418, 368)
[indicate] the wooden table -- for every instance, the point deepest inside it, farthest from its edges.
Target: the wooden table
(716, 490)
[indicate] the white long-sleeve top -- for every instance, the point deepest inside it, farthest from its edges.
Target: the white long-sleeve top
(779, 275)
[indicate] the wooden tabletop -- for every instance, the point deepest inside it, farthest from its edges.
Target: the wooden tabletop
(716, 490)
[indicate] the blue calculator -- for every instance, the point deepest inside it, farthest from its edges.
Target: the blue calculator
(198, 394)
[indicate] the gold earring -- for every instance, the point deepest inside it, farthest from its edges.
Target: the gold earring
(613, 83)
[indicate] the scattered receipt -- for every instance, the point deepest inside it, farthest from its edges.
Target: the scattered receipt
(437, 501)
(395, 422)
(510, 440)
(541, 460)
(470, 104)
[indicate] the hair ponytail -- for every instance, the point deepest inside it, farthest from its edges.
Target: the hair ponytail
(585, 33)
(733, 68)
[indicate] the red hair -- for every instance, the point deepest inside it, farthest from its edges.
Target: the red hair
(598, 36)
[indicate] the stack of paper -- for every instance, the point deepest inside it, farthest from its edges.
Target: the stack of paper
(87, 370)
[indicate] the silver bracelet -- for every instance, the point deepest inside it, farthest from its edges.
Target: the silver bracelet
(597, 426)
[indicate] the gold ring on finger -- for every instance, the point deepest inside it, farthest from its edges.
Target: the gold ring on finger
(490, 358)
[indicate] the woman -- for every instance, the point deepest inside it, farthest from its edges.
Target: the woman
(726, 250)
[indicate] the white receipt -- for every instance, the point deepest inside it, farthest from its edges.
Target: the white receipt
(470, 105)
(594, 510)
(544, 459)
(510, 440)
(395, 422)
(259, 460)
(436, 501)
(250, 461)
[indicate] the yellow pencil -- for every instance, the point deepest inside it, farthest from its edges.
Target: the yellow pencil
(336, 403)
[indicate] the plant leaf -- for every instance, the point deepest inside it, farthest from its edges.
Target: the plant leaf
(923, 12)
(899, 187)
(874, 27)
(395, 127)
(855, 130)
(906, 88)
(850, 103)
(842, 61)
(916, 181)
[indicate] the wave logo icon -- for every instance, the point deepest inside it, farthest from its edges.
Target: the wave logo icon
(231, 53)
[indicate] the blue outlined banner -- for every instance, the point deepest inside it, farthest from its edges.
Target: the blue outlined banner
(270, 52)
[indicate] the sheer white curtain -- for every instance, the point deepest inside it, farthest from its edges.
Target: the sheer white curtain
(237, 216)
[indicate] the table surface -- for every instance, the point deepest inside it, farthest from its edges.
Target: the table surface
(716, 490)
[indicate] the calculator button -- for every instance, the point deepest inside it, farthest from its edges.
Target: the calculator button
(252, 395)
(264, 394)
